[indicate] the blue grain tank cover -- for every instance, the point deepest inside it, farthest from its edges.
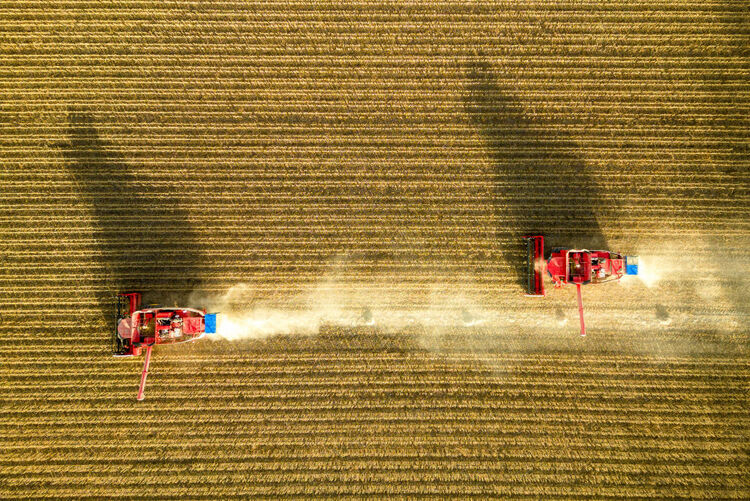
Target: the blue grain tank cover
(210, 320)
(631, 265)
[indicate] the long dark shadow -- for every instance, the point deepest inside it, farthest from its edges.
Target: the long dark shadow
(141, 229)
(541, 186)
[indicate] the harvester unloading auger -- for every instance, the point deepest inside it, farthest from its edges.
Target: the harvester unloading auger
(574, 266)
(139, 329)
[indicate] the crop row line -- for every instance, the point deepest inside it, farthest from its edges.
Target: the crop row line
(388, 168)
(456, 222)
(481, 291)
(322, 223)
(710, 6)
(412, 92)
(428, 398)
(369, 132)
(402, 387)
(426, 384)
(171, 22)
(466, 231)
(448, 368)
(333, 142)
(231, 5)
(474, 466)
(410, 6)
(495, 436)
(271, 39)
(529, 428)
(444, 198)
(648, 81)
(357, 267)
(580, 363)
(441, 92)
(400, 421)
(649, 84)
(293, 152)
(544, 96)
(341, 112)
(301, 180)
(332, 48)
(452, 202)
(626, 448)
(330, 65)
(305, 486)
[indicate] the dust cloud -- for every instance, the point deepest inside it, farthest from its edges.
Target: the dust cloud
(241, 316)
(676, 288)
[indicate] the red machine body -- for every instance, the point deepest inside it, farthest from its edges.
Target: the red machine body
(139, 329)
(571, 266)
(574, 266)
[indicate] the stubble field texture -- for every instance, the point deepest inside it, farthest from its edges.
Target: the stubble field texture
(348, 182)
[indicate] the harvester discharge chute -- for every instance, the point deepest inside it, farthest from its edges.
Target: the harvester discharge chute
(574, 266)
(138, 329)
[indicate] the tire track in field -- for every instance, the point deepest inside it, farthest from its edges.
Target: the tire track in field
(510, 135)
(150, 235)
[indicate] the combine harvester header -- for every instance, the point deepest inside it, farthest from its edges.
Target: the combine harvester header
(137, 329)
(576, 266)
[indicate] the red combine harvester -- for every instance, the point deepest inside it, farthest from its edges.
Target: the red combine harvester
(574, 266)
(138, 329)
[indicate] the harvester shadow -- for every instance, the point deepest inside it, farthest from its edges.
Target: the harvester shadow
(141, 232)
(541, 186)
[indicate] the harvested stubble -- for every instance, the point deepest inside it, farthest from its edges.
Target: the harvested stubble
(388, 154)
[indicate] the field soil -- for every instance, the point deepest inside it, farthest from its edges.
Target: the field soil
(348, 184)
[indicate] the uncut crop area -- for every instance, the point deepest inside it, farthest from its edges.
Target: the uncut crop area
(349, 181)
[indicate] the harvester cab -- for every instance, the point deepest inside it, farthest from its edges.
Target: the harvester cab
(573, 266)
(138, 329)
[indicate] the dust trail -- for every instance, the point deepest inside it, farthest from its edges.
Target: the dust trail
(674, 294)
(242, 317)
(707, 278)
(443, 307)
(337, 301)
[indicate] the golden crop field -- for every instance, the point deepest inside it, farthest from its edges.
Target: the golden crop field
(347, 182)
